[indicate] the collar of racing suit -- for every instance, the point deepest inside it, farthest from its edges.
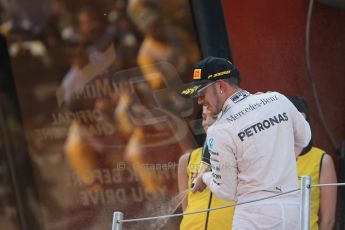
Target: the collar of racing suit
(233, 99)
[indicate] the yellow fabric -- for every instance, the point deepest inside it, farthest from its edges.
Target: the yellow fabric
(145, 60)
(84, 159)
(135, 155)
(218, 219)
(125, 125)
(81, 157)
(309, 164)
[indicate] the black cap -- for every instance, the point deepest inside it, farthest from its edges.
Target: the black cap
(209, 70)
(301, 104)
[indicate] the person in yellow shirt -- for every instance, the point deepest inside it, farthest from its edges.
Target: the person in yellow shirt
(319, 165)
(189, 165)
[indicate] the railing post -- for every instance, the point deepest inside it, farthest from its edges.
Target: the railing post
(305, 203)
(117, 224)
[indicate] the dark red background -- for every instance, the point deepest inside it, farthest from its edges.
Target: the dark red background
(267, 39)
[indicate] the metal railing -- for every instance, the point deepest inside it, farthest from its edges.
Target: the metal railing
(305, 189)
(305, 203)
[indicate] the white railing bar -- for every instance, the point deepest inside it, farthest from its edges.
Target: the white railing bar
(117, 224)
(305, 203)
(330, 184)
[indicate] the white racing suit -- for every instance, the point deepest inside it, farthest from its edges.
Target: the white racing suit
(252, 154)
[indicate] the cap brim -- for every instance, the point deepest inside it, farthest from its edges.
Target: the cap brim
(192, 90)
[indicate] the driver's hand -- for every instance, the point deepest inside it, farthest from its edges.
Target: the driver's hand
(198, 184)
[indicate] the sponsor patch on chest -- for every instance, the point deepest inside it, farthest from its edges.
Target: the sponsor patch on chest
(263, 125)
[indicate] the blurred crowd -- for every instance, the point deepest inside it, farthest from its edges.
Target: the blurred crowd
(103, 77)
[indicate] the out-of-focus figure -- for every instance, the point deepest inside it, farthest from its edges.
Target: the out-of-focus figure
(319, 165)
(163, 42)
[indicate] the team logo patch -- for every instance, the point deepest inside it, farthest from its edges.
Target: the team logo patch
(197, 74)
(210, 143)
